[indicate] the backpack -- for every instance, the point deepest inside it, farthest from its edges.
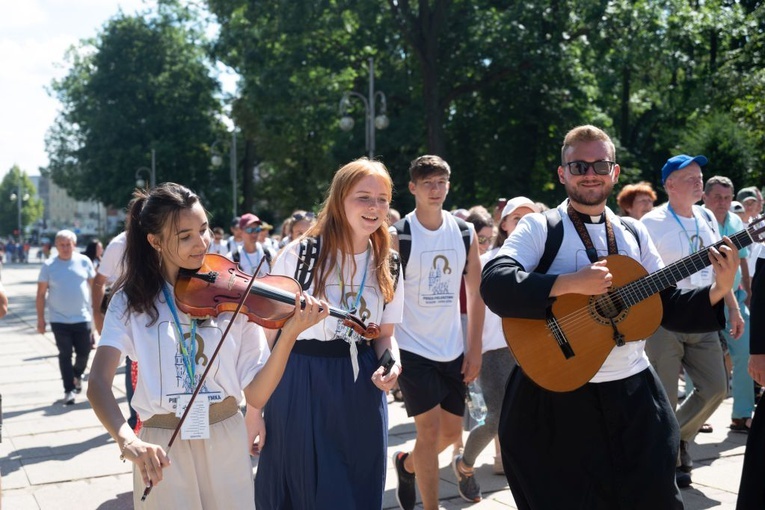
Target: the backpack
(404, 233)
(308, 254)
(555, 237)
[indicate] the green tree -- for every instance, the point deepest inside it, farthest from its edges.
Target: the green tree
(142, 84)
(16, 187)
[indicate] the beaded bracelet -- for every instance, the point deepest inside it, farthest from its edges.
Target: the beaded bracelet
(122, 452)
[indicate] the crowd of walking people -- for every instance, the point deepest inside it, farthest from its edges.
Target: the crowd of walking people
(416, 304)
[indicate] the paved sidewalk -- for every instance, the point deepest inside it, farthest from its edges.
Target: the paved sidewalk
(54, 456)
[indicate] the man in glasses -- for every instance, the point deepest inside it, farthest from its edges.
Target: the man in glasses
(252, 252)
(678, 229)
(612, 442)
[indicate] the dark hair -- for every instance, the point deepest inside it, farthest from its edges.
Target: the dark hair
(148, 213)
(480, 219)
(91, 250)
(428, 165)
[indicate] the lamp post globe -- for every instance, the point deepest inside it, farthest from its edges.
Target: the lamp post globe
(346, 122)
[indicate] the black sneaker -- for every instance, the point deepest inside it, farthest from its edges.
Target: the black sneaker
(682, 478)
(405, 492)
(466, 483)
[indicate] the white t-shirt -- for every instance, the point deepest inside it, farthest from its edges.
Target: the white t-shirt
(221, 248)
(493, 336)
(527, 244)
(248, 262)
(163, 376)
(431, 327)
(111, 260)
(674, 241)
(371, 307)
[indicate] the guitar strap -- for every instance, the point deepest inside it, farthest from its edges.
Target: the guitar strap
(592, 253)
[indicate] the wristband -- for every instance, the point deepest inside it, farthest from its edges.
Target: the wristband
(122, 452)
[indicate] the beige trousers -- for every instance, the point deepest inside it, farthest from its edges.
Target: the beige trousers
(208, 474)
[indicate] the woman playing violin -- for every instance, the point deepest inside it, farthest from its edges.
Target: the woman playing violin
(209, 466)
(327, 421)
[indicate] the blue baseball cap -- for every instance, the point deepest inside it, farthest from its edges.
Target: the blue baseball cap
(680, 162)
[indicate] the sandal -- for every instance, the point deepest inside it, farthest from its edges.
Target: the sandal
(706, 428)
(739, 425)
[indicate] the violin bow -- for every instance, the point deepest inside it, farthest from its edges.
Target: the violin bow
(246, 293)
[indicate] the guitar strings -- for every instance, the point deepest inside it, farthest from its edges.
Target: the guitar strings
(634, 292)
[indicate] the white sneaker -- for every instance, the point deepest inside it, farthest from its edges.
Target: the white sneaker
(69, 398)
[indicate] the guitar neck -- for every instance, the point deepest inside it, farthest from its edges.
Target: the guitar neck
(664, 278)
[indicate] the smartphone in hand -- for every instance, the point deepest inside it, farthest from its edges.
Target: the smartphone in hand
(387, 361)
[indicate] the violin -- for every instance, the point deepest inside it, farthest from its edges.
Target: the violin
(219, 286)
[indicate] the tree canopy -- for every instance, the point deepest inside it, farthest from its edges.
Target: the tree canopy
(491, 86)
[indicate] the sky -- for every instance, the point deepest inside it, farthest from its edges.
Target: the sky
(34, 38)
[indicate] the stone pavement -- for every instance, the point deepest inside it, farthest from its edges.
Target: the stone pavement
(54, 456)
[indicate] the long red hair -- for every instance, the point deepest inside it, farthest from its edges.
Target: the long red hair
(332, 225)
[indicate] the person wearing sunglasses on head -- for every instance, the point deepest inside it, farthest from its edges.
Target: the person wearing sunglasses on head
(613, 441)
(252, 252)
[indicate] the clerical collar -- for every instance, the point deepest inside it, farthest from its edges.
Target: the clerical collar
(586, 218)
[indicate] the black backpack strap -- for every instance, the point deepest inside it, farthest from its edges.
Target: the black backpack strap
(307, 257)
(404, 233)
(235, 256)
(553, 241)
(629, 223)
(465, 231)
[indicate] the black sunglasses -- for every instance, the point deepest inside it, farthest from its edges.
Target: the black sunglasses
(252, 230)
(601, 167)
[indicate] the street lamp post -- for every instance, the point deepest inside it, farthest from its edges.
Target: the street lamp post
(217, 160)
(19, 197)
(372, 122)
(152, 173)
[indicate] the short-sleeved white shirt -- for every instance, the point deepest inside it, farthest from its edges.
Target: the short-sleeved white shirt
(111, 260)
(156, 349)
(493, 336)
(674, 241)
(527, 243)
(372, 306)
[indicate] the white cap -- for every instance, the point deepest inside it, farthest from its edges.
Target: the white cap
(517, 202)
(736, 207)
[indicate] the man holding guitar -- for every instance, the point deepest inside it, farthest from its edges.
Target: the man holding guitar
(611, 440)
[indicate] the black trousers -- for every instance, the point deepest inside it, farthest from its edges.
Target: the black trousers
(603, 446)
(69, 338)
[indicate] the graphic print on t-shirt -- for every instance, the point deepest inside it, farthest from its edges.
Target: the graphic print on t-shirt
(439, 288)
(182, 383)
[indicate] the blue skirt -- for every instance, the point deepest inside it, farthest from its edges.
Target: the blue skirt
(326, 435)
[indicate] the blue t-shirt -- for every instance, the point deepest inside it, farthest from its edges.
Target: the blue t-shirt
(69, 293)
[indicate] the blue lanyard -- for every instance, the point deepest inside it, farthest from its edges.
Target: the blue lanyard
(188, 359)
(691, 247)
(361, 288)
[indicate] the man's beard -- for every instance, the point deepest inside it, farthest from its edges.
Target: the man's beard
(590, 198)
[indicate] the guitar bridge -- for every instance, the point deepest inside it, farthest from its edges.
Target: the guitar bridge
(560, 337)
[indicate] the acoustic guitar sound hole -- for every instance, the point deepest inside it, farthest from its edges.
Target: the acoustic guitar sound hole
(606, 307)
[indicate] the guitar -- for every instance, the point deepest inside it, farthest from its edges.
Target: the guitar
(566, 349)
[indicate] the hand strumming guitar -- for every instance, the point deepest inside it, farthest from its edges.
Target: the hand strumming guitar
(590, 280)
